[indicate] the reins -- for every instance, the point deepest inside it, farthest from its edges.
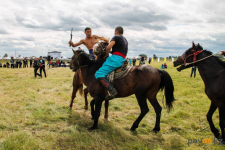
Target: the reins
(76, 58)
(194, 58)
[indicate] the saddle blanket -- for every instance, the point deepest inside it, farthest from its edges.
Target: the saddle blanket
(117, 75)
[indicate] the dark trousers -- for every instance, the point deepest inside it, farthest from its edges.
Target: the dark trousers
(25, 65)
(42, 68)
(35, 72)
(12, 65)
(134, 63)
(30, 65)
(193, 70)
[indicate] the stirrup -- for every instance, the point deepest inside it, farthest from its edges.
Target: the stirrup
(111, 96)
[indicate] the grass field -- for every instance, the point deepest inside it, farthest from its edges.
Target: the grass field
(35, 115)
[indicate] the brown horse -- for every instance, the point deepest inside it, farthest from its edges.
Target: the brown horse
(212, 71)
(144, 81)
(78, 85)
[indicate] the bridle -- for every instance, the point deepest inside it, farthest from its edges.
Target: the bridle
(76, 58)
(103, 48)
(195, 53)
(194, 57)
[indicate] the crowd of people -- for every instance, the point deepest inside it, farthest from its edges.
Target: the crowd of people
(142, 60)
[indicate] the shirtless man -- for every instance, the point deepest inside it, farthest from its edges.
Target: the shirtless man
(89, 42)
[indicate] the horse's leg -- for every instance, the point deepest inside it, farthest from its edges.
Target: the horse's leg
(85, 97)
(144, 110)
(209, 115)
(222, 121)
(106, 110)
(98, 105)
(72, 97)
(158, 110)
(92, 104)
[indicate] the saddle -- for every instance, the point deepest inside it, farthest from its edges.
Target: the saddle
(120, 72)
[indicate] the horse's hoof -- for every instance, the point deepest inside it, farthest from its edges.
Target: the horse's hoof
(92, 128)
(132, 128)
(155, 131)
(85, 107)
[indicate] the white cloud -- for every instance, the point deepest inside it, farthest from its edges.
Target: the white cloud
(152, 27)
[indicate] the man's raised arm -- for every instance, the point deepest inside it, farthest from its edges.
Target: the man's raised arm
(76, 44)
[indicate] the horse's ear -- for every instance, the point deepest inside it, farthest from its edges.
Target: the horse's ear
(73, 51)
(198, 44)
(193, 44)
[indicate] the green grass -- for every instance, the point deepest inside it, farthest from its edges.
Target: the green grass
(35, 115)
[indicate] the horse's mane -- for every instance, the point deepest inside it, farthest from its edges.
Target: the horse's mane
(106, 40)
(98, 61)
(216, 57)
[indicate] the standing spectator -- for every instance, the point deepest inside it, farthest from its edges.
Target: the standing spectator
(36, 67)
(165, 65)
(130, 61)
(142, 61)
(12, 62)
(25, 63)
(20, 63)
(57, 63)
(134, 62)
(31, 62)
(7, 64)
(42, 66)
(193, 70)
(17, 64)
(149, 60)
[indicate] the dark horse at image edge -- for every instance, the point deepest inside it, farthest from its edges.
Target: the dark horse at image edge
(212, 71)
(144, 81)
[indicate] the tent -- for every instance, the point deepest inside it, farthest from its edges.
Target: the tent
(63, 58)
(6, 58)
(20, 57)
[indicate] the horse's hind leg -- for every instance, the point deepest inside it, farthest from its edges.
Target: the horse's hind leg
(158, 109)
(85, 97)
(144, 110)
(209, 115)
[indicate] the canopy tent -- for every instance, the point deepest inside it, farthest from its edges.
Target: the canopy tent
(20, 57)
(6, 58)
(63, 58)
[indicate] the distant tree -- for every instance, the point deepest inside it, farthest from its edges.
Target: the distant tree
(154, 56)
(170, 57)
(6, 55)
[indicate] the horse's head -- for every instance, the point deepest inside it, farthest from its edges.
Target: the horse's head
(100, 47)
(188, 56)
(79, 59)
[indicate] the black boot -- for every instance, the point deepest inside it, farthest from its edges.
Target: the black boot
(112, 92)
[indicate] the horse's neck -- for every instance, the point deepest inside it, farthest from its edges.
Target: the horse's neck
(209, 68)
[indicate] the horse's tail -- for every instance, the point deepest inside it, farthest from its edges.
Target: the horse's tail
(167, 83)
(81, 91)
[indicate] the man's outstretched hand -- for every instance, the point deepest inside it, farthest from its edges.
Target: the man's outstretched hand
(70, 43)
(223, 53)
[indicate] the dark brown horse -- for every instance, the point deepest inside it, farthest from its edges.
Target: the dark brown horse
(144, 81)
(78, 85)
(212, 71)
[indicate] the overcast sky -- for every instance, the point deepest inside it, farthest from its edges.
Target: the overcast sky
(161, 27)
